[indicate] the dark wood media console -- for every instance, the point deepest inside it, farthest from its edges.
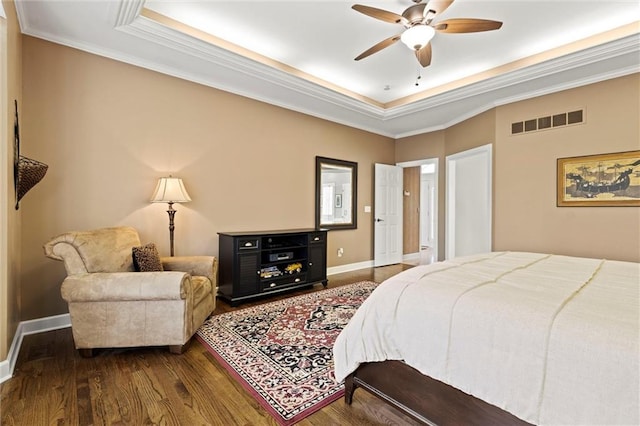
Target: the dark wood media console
(255, 264)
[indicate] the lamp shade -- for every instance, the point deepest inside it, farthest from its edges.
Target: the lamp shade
(417, 36)
(170, 190)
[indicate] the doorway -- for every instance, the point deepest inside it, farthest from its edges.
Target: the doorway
(425, 248)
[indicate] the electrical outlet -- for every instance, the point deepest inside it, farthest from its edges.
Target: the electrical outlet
(340, 252)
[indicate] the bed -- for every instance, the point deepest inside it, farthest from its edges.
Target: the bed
(501, 338)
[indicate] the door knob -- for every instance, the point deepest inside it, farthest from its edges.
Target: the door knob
(379, 220)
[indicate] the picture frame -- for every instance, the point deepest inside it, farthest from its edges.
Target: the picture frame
(599, 180)
(338, 201)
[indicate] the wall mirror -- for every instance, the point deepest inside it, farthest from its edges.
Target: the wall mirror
(336, 193)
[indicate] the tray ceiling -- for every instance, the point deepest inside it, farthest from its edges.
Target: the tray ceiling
(300, 54)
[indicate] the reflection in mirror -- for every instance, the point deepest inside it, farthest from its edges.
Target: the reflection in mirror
(336, 193)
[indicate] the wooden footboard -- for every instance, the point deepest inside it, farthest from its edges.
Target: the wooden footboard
(427, 400)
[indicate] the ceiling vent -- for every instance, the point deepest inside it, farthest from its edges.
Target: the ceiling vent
(548, 122)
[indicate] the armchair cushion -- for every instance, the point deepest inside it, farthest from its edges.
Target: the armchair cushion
(205, 266)
(146, 258)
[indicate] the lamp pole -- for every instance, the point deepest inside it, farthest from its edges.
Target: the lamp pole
(172, 213)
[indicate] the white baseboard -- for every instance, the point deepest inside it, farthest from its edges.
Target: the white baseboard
(25, 328)
(5, 371)
(411, 257)
(349, 267)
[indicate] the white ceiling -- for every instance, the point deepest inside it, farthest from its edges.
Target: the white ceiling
(299, 54)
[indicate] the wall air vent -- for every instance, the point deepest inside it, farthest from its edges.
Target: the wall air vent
(548, 122)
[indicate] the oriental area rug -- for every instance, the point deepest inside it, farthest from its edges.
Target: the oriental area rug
(282, 352)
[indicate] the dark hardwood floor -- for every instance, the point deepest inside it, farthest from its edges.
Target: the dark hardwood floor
(52, 384)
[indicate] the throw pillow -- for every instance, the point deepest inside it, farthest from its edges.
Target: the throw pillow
(146, 258)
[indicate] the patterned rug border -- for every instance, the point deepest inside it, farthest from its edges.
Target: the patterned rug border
(279, 304)
(260, 399)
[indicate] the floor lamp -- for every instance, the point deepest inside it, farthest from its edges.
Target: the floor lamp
(170, 190)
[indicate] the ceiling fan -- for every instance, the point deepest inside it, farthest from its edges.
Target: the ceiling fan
(419, 26)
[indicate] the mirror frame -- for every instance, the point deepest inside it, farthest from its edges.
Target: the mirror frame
(320, 161)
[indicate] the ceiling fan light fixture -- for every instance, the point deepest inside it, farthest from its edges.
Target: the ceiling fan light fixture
(416, 37)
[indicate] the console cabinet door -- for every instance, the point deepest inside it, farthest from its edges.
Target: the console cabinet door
(317, 257)
(248, 277)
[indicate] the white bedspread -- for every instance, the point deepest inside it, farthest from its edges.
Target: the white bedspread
(550, 339)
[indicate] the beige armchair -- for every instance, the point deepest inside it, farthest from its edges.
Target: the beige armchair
(111, 305)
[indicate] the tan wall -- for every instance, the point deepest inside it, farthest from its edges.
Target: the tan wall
(526, 216)
(9, 217)
(109, 130)
(471, 133)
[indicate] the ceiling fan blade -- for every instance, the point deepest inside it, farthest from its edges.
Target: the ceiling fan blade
(424, 55)
(438, 6)
(466, 25)
(378, 47)
(380, 14)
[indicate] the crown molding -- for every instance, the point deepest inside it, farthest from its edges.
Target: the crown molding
(22, 15)
(607, 51)
(567, 85)
(180, 73)
(155, 32)
(128, 11)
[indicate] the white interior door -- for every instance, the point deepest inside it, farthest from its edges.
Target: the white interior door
(468, 202)
(387, 215)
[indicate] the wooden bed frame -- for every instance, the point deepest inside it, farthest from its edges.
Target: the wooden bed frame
(427, 400)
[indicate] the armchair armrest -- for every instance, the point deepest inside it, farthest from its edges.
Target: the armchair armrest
(126, 286)
(206, 266)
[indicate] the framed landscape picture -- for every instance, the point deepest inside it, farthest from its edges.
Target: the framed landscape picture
(599, 180)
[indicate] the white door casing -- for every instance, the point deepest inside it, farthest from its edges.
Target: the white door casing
(468, 202)
(427, 210)
(387, 215)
